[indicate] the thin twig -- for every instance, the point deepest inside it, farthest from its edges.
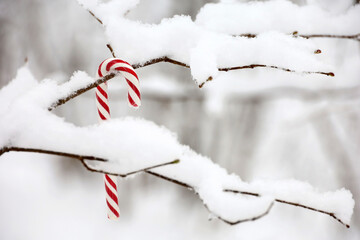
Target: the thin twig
(291, 203)
(129, 173)
(111, 50)
(355, 37)
(80, 91)
(251, 66)
(148, 170)
(63, 154)
(249, 219)
(220, 218)
(83, 158)
(98, 19)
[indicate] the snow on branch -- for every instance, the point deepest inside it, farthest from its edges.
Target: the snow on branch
(113, 147)
(307, 21)
(355, 37)
(181, 41)
(84, 88)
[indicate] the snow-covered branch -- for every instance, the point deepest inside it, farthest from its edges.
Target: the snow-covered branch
(84, 159)
(355, 37)
(224, 69)
(293, 204)
(27, 125)
(206, 52)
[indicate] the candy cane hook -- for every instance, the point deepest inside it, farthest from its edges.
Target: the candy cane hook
(102, 102)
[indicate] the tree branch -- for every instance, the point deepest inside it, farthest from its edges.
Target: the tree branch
(355, 37)
(250, 219)
(111, 50)
(251, 66)
(80, 91)
(62, 154)
(169, 60)
(291, 203)
(82, 158)
(147, 170)
(129, 173)
(226, 69)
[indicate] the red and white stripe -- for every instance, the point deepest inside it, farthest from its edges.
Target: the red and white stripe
(102, 102)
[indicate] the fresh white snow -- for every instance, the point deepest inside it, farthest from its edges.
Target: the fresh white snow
(131, 144)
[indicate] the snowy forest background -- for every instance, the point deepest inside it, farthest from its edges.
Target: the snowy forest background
(267, 127)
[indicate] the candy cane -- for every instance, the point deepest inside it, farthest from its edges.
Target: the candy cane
(102, 103)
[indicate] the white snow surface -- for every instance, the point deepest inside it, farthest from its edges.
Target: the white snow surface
(205, 47)
(278, 15)
(131, 144)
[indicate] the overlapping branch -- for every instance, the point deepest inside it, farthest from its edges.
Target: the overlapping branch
(84, 158)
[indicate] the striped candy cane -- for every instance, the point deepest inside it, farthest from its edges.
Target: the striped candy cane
(102, 103)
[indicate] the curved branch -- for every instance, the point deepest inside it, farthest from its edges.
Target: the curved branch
(147, 170)
(293, 204)
(250, 219)
(83, 161)
(82, 158)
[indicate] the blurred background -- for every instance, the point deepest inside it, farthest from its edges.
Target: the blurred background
(269, 125)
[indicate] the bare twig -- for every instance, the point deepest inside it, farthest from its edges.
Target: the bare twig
(62, 154)
(355, 37)
(83, 158)
(249, 219)
(111, 50)
(80, 91)
(129, 173)
(291, 203)
(98, 19)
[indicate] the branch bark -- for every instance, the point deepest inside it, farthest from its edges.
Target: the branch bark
(293, 204)
(80, 91)
(355, 37)
(83, 158)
